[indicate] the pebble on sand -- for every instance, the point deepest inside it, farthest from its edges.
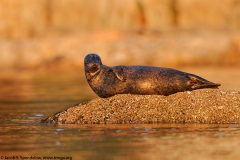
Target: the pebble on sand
(199, 106)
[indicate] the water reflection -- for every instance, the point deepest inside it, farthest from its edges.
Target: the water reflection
(43, 88)
(151, 141)
(29, 97)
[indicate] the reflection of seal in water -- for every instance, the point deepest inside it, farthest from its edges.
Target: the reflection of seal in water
(108, 81)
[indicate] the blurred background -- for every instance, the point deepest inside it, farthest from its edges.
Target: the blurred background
(42, 47)
(55, 35)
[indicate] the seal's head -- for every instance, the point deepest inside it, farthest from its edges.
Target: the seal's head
(92, 65)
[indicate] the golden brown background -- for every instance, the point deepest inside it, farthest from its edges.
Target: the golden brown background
(55, 35)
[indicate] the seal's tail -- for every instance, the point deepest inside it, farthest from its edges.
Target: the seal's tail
(199, 82)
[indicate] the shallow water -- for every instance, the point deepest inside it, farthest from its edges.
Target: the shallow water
(25, 99)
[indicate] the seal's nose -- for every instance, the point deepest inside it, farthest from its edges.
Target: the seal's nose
(93, 67)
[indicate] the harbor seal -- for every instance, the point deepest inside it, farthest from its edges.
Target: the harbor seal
(108, 81)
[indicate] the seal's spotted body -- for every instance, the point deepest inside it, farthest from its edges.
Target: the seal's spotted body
(145, 80)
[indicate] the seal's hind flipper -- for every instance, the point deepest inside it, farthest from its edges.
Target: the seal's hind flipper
(119, 73)
(198, 82)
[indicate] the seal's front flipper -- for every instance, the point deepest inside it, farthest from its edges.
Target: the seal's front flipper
(120, 73)
(198, 82)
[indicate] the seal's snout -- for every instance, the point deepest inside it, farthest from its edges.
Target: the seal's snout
(92, 67)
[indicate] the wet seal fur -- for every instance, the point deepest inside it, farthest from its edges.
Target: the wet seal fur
(108, 81)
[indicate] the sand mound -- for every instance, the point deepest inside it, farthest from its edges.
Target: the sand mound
(199, 106)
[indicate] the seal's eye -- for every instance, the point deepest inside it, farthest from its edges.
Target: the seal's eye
(89, 58)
